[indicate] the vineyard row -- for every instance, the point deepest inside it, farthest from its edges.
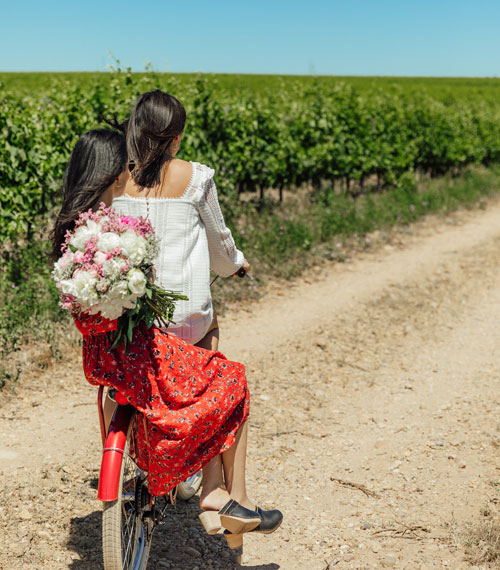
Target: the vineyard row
(274, 138)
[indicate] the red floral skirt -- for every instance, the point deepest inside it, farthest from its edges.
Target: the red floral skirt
(194, 400)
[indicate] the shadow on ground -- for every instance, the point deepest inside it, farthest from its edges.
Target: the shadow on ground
(180, 543)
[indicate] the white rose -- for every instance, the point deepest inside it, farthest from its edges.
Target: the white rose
(128, 241)
(110, 309)
(137, 257)
(119, 290)
(82, 287)
(93, 227)
(108, 241)
(100, 258)
(136, 282)
(81, 237)
(112, 305)
(133, 246)
(113, 267)
(68, 287)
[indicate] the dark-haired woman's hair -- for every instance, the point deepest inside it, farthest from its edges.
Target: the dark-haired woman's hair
(98, 158)
(156, 119)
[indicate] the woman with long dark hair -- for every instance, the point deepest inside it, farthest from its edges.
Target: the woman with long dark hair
(195, 402)
(97, 171)
(180, 199)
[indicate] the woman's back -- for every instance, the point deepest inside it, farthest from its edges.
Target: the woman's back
(175, 181)
(186, 216)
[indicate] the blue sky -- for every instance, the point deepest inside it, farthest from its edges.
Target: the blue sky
(348, 37)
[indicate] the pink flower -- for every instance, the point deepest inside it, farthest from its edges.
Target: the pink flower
(129, 221)
(67, 302)
(116, 252)
(91, 246)
(99, 257)
(78, 257)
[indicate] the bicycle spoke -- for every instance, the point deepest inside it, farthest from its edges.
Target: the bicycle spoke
(127, 537)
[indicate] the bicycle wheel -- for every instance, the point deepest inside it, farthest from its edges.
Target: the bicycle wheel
(126, 531)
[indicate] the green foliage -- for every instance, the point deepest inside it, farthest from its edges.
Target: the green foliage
(29, 302)
(282, 242)
(356, 135)
(355, 144)
(28, 296)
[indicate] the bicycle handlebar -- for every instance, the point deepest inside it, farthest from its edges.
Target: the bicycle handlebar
(242, 272)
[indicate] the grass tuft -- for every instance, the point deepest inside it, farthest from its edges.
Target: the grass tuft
(482, 542)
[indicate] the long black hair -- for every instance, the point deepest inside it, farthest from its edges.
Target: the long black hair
(98, 158)
(156, 119)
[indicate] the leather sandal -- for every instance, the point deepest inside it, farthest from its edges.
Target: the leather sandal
(270, 521)
(233, 517)
(238, 519)
(210, 521)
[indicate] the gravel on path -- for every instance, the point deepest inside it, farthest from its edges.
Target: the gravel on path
(374, 420)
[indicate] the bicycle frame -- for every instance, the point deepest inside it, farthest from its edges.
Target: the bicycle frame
(114, 444)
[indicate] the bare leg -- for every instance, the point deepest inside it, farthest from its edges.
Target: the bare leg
(219, 488)
(210, 341)
(234, 462)
(214, 494)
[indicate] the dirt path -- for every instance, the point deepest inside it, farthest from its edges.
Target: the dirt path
(374, 420)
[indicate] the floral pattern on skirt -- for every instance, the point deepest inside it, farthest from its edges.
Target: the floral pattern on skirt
(194, 400)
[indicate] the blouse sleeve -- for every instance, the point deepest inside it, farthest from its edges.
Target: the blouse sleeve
(225, 258)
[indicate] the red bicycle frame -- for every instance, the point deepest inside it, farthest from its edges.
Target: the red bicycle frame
(114, 444)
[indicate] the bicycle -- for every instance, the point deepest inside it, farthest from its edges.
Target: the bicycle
(130, 512)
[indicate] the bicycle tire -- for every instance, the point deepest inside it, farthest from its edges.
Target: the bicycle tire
(126, 534)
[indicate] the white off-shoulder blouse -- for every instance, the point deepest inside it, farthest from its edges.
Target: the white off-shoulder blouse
(194, 239)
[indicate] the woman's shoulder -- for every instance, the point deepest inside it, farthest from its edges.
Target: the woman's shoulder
(179, 173)
(203, 171)
(180, 166)
(192, 174)
(201, 181)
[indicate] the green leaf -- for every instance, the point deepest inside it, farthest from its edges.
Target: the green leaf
(130, 330)
(149, 319)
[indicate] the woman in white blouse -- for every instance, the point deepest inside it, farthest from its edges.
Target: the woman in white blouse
(180, 199)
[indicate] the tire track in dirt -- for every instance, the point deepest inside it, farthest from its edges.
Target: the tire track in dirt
(379, 375)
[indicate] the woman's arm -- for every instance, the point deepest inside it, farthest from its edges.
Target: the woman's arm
(225, 258)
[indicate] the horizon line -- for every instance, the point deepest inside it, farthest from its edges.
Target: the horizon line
(109, 71)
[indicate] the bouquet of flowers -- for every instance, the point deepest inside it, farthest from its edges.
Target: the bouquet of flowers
(106, 267)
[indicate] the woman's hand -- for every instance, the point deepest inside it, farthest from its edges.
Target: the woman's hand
(245, 267)
(151, 275)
